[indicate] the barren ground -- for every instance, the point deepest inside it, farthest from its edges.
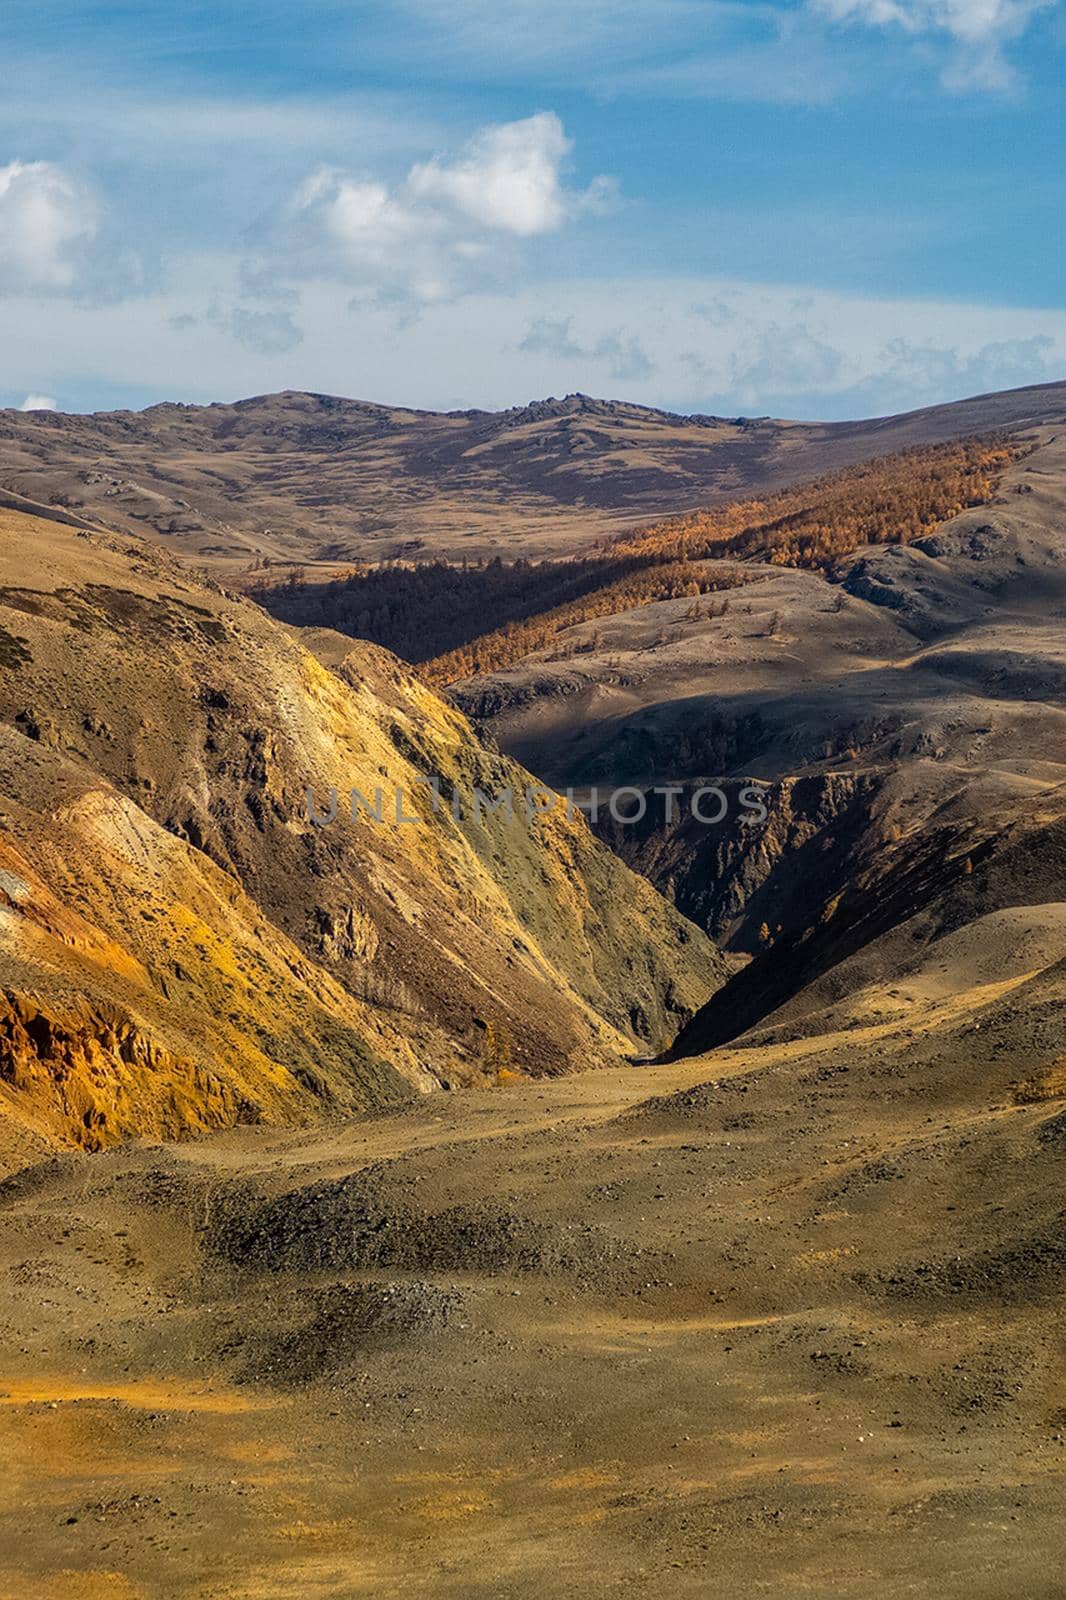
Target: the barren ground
(323, 481)
(780, 1318)
(770, 1321)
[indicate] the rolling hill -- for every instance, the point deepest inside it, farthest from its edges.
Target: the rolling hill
(903, 708)
(322, 481)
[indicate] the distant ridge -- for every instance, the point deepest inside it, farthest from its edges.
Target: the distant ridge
(320, 480)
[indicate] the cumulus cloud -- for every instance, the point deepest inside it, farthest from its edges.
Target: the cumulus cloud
(842, 356)
(969, 20)
(551, 336)
(509, 178)
(979, 28)
(46, 219)
(367, 228)
(920, 372)
(259, 281)
(434, 235)
(38, 402)
(834, 355)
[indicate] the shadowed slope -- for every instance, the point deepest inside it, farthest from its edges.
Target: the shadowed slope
(907, 712)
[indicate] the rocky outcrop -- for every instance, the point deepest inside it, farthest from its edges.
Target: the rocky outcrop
(751, 878)
(90, 1079)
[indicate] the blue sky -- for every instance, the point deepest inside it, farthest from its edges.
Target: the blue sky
(812, 207)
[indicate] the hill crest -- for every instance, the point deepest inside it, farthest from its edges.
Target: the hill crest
(319, 481)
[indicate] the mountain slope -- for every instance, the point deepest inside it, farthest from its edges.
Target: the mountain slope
(888, 635)
(166, 883)
(906, 710)
(319, 479)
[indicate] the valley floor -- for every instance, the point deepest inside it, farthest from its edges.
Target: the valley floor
(773, 1321)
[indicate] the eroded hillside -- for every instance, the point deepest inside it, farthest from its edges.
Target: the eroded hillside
(777, 1310)
(182, 947)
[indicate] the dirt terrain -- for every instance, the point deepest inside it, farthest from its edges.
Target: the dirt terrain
(777, 1320)
(423, 1210)
(322, 481)
(898, 635)
(911, 702)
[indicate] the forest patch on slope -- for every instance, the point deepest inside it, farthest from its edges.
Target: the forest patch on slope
(435, 613)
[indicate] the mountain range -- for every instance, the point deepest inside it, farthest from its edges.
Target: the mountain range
(321, 481)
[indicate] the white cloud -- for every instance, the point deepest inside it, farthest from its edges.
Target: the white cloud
(971, 21)
(436, 234)
(818, 354)
(909, 369)
(38, 402)
(363, 218)
(551, 336)
(270, 333)
(550, 40)
(979, 28)
(45, 219)
(787, 358)
(508, 178)
(265, 333)
(728, 347)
